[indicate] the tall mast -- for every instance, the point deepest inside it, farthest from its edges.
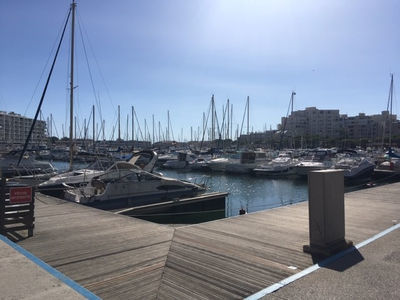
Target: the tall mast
(293, 135)
(390, 111)
(292, 99)
(75, 127)
(228, 120)
(212, 119)
(133, 129)
(168, 127)
(104, 129)
(248, 116)
(84, 130)
(159, 131)
(153, 130)
(232, 122)
(71, 89)
(94, 129)
(119, 124)
(145, 130)
(51, 124)
(127, 127)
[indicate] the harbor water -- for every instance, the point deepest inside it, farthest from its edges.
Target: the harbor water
(248, 192)
(245, 191)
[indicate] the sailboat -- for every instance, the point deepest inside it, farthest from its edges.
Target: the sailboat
(125, 183)
(392, 160)
(22, 156)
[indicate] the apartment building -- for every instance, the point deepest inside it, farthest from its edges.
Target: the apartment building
(328, 123)
(14, 129)
(313, 122)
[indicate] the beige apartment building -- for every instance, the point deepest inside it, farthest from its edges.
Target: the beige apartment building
(328, 123)
(313, 122)
(14, 129)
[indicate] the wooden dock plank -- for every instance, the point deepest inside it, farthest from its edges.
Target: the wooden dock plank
(261, 246)
(112, 255)
(121, 257)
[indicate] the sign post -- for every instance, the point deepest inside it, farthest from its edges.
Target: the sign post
(17, 205)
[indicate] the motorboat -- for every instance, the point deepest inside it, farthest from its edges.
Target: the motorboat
(130, 186)
(314, 160)
(163, 158)
(182, 161)
(219, 164)
(283, 165)
(200, 164)
(248, 161)
(28, 166)
(55, 186)
(355, 168)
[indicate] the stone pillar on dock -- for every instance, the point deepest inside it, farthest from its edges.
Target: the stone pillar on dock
(326, 213)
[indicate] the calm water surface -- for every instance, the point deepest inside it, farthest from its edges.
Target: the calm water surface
(248, 192)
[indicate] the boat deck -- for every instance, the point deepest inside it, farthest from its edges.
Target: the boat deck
(116, 256)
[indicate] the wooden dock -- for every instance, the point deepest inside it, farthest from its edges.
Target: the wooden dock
(117, 256)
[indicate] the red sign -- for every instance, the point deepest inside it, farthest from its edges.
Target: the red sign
(20, 195)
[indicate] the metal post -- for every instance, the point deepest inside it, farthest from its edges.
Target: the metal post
(326, 213)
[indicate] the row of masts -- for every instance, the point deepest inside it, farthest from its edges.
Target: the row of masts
(216, 131)
(224, 132)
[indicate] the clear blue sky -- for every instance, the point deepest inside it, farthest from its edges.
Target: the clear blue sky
(174, 54)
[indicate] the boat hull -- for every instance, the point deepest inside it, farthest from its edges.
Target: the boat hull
(136, 200)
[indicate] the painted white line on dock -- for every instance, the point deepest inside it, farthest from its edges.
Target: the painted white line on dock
(276, 286)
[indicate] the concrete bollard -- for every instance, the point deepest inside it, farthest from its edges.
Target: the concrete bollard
(326, 213)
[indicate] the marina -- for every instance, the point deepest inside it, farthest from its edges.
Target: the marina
(244, 193)
(117, 256)
(167, 164)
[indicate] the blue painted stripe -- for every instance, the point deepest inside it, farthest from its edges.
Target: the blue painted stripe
(276, 286)
(68, 281)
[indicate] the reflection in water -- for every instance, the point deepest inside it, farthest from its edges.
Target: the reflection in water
(248, 192)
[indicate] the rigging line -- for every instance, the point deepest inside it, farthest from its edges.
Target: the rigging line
(218, 129)
(172, 130)
(44, 92)
(244, 114)
(223, 119)
(78, 128)
(44, 68)
(205, 126)
(138, 124)
(55, 126)
(98, 66)
(113, 130)
(284, 124)
(113, 122)
(90, 71)
(100, 130)
(88, 122)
